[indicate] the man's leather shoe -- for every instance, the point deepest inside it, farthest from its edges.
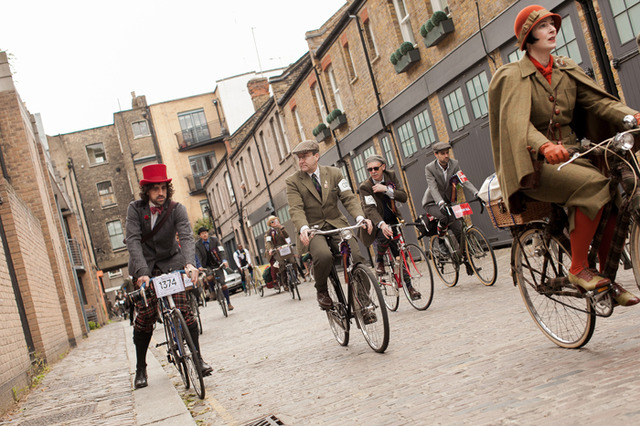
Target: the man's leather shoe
(624, 297)
(469, 268)
(415, 294)
(380, 268)
(369, 317)
(141, 379)
(587, 280)
(230, 306)
(206, 368)
(324, 300)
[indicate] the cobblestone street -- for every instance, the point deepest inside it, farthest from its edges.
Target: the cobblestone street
(474, 357)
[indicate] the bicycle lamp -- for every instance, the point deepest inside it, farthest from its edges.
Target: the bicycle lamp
(624, 141)
(346, 234)
(629, 122)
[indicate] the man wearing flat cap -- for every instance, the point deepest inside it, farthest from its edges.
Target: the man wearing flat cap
(379, 195)
(274, 239)
(209, 257)
(152, 225)
(313, 194)
(442, 175)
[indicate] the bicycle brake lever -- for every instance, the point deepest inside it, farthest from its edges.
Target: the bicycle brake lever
(571, 160)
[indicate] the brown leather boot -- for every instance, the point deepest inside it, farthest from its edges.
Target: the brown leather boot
(380, 268)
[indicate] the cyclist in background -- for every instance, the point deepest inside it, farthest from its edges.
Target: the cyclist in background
(209, 255)
(277, 236)
(243, 260)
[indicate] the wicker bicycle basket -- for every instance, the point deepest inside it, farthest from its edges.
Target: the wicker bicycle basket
(501, 218)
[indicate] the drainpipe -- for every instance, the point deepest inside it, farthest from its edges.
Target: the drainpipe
(600, 49)
(147, 116)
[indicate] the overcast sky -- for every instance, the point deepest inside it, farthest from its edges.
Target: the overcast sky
(77, 62)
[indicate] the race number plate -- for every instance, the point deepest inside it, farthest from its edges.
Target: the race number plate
(188, 284)
(285, 251)
(168, 284)
(463, 209)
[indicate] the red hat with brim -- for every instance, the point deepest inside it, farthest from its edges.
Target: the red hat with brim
(529, 18)
(154, 173)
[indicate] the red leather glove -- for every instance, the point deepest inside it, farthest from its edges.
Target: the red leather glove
(637, 117)
(553, 153)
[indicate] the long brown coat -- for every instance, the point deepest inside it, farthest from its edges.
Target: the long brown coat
(275, 238)
(521, 104)
(373, 202)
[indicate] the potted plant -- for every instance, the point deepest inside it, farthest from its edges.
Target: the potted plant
(336, 119)
(436, 29)
(321, 132)
(404, 58)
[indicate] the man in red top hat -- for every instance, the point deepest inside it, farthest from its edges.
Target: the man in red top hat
(152, 224)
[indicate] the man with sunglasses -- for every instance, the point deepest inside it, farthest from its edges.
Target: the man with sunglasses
(440, 174)
(379, 195)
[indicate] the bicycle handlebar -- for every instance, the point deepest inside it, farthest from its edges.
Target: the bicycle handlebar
(315, 231)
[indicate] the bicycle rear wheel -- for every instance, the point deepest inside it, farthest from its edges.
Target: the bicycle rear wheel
(634, 250)
(388, 282)
(481, 256)
(293, 284)
(369, 308)
(558, 309)
(173, 348)
(193, 302)
(445, 267)
(337, 315)
(222, 301)
(416, 266)
(190, 356)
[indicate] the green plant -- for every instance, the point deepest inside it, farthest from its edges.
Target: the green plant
(335, 113)
(329, 118)
(438, 16)
(319, 128)
(423, 30)
(429, 25)
(406, 46)
(93, 325)
(203, 221)
(394, 58)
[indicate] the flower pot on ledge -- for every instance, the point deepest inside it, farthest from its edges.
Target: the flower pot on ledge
(338, 121)
(439, 33)
(324, 134)
(407, 60)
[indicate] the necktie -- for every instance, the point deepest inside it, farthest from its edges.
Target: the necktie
(155, 210)
(314, 178)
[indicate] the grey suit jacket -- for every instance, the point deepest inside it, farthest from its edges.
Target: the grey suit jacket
(162, 251)
(439, 187)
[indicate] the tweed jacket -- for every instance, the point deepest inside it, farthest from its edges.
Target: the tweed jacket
(522, 104)
(201, 252)
(438, 187)
(373, 202)
(162, 251)
(306, 207)
(275, 238)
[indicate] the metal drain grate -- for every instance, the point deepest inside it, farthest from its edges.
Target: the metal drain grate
(61, 416)
(266, 421)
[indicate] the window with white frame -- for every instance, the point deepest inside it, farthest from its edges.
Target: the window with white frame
(201, 164)
(263, 142)
(388, 154)
(282, 133)
(194, 126)
(478, 88)
(243, 175)
(334, 87)
(283, 214)
(626, 15)
(115, 273)
(299, 126)
(566, 42)
(440, 5)
(204, 208)
(515, 56)
(222, 206)
(106, 194)
(254, 169)
(322, 109)
(404, 20)
(348, 60)
(116, 234)
(407, 139)
(372, 48)
(456, 110)
(424, 128)
(232, 195)
(359, 165)
(276, 138)
(140, 129)
(96, 154)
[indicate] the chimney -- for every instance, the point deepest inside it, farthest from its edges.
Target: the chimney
(138, 101)
(259, 91)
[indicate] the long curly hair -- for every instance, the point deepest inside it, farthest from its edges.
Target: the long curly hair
(144, 191)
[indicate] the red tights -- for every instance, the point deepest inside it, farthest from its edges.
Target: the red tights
(582, 236)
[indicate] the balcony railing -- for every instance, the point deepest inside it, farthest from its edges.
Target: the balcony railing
(76, 253)
(200, 135)
(195, 183)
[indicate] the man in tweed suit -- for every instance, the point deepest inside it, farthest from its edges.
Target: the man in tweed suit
(313, 194)
(155, 252)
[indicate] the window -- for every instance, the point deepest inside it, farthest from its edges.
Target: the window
(275, 137)
(424, 128)
(370, 40)
(626, 15)
(456, 110)
(105, 193)
(407, 140)
(232, 195)
(403, 20)
(242, 171)
(194, 126)
(283, 214)
(96, 154)
(202, 164)
(440, 5)
(282, 133)
(140, 129)
(298, 124)
(204, 208)
(348, 60)
(343, 169)
(388, 154)
(254, 169)
(359, 165)
(116, 235)
(334, 87)
(114, 274)
(266, 151)
(220, 203)
(566, 43)
(515, 56)
(322, 110)
(477, 88)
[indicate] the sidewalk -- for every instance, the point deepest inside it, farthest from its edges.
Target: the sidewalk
(93, 385)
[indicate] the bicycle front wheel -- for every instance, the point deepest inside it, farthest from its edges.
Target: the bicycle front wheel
(369, 308)
(337, 315)
(481, 256)
(173, 340)
(634, 250)
(222, 301)
(416, 274)
(193, 301)
(443, 263)
(558, 309)
(190, 356)
(388, 282)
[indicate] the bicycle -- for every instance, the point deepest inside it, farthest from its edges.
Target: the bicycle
(250, 282)
(477, 250)
(289, 276)
(217, 289)
(415, 273)
(181, 350)
(541, 256)
(193, 292)
(364, 300)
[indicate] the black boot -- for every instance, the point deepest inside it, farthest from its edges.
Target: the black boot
(141, 379)
(195, 337)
